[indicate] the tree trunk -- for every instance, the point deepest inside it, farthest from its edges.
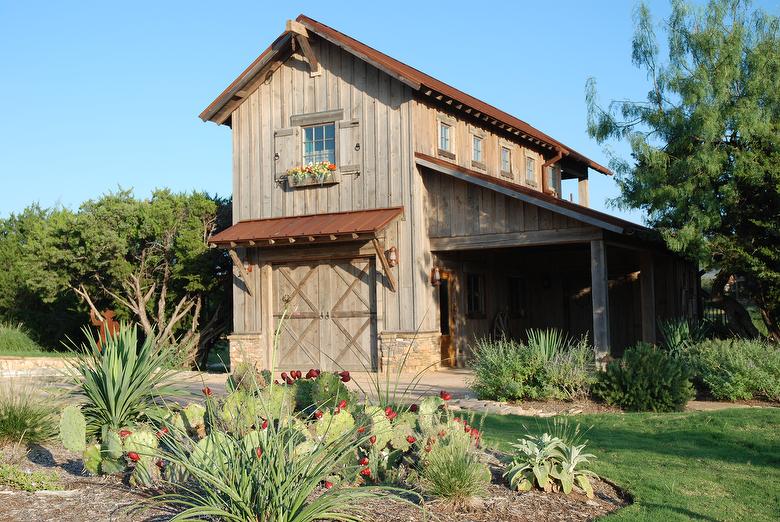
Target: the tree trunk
(739, 319)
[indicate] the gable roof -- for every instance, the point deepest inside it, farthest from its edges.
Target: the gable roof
(420, 82)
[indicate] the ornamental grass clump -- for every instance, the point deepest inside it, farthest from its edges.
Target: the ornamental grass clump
(26, 417)
(122, 380)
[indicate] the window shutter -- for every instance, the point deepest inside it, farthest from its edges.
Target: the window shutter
(287, 154)
(349, 148)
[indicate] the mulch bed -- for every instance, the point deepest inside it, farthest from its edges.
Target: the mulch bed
(91, 498)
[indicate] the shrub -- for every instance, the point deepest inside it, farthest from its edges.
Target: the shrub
(452, 470)
(737, 369)
(549, 463)
(645, 379)
(678, 334)
(549, 365)
(122, 380)
(25, 417)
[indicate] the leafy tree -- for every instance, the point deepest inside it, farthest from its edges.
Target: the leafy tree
(705, 145)
(147, 259)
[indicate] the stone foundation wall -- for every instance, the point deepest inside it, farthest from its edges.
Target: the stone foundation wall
(247, 347)
(423, 349)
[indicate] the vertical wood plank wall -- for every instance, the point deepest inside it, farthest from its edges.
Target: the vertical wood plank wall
(388, 175)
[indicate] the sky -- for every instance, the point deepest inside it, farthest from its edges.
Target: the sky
(103, 95)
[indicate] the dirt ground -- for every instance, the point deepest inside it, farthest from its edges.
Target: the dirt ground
(107, 498)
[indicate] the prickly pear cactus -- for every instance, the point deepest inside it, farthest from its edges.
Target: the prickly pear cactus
(304, 394)
(110, 466)
(380, 426)
(141, 441)
(239, 412)
(210, 451)
(176, 420)
(328, 391)
(276, 402)
(92, 459)
(73, 429)
(332, 426)
(429, 415)
(399, 441)
(112, 445)
(145, 473)
(194, 416)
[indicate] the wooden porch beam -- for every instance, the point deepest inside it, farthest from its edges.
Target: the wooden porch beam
(243, 274)
(600, 297)
(516, 239)
(385, 264)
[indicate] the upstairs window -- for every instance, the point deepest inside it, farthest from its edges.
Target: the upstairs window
(445, 137)
(506, 161)
(319, 143)
(476, 149)
(530, 170)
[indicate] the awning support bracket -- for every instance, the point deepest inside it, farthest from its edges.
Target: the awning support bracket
(242, 273)
(385, 265)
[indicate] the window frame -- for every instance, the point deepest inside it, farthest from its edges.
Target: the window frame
(451, 124)
(324, 140)
(530, 161)
(475, 298)
(501, 148)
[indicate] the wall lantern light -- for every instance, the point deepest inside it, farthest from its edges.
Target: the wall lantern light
(247, 265)
(435, 276)
(392, 256)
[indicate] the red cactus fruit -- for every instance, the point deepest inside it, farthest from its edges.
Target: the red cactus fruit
(343, 404)
(312, 374)
(135, 457)
(414, 408)
(361, 429)
(125, 433)
(264, 425)
(445, 395)
(162, 432)
(366, 472)
(344, 376)
(318, 414)
(284, 376)
(363, 461)
(372, 439)
(410, 439)
(328, 484)
(259, 452)
(206, 391)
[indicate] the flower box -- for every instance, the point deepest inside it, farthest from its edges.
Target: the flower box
(322, 173)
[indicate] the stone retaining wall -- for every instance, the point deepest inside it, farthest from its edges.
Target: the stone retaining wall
(415, 350)
(11, 366)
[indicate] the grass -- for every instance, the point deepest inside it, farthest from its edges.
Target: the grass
(25, 417)
(16, 341)
(707, 466)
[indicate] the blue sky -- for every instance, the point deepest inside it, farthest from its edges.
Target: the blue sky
(99, 95)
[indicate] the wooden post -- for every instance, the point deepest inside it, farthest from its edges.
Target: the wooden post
(647, 290)
(583, 194)
(599, 285)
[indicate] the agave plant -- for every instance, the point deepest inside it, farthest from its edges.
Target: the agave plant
(120, 379)
(678, 334)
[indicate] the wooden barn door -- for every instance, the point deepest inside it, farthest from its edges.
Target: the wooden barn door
(330, 314)
(352, 315)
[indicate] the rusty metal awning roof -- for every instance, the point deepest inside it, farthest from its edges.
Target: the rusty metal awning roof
(358, 224)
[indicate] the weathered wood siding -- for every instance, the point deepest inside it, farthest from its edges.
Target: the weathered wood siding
(456, 208)
(382, 106)
(426, 140)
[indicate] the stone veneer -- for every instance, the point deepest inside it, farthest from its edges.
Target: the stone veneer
(247, 347)
(423, 349)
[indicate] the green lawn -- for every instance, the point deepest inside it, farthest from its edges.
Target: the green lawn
(679, 466)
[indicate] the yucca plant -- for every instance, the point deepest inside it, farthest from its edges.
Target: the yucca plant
(546, 344)
(678, 334)
(272, 474)
(120, 380)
